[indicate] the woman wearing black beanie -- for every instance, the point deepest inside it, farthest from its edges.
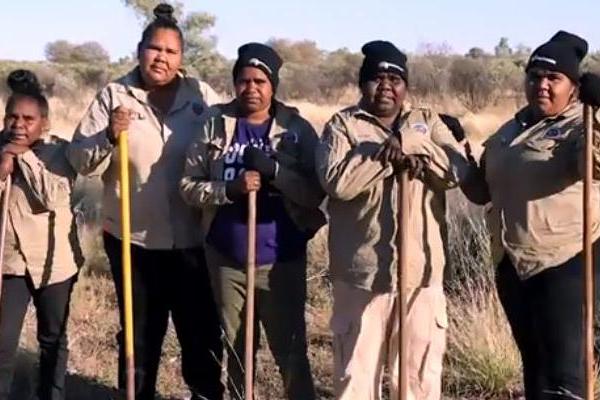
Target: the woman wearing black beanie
(531, 171)
(256, 143)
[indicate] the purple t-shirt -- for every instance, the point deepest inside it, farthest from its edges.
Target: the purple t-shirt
(277, 237)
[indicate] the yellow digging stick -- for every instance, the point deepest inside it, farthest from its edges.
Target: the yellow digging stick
(5, 199)
(126, 261)
(588, 308)
(250, 270)
(401, 235)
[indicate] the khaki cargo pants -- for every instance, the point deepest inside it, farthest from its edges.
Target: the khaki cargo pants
(365, 340)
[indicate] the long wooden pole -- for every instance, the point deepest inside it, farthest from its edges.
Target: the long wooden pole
(3, 222)
(588, 309)
(401, 238)
(250, 272)
(126, 261)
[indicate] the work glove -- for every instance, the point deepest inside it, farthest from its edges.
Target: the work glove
(248, 181)
(257, 160)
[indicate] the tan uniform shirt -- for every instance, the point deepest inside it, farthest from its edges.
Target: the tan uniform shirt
(157, 144)
(363, 198)
(41, 235)
(294, 141)
(536, 189)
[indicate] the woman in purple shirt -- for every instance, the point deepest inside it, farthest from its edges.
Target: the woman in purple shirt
(256, 143)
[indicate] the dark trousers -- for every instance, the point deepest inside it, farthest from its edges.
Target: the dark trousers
(52, 311)
(545, 313)
(175, 282)
(280, 304)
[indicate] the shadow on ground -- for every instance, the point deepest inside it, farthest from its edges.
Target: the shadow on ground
(78, 387)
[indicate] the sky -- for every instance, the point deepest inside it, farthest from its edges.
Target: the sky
(27, 25)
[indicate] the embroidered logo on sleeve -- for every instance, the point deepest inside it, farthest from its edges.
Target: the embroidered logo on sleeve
(420, 127)
(553, 133)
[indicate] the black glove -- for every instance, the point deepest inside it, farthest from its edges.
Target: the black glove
(257, 160)
(589, 89)
(233, 191)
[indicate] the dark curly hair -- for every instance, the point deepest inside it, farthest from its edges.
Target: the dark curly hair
(163, 19)
(24, 83)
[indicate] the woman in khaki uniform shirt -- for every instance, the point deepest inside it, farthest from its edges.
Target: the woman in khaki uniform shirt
(531, 171)
(362, 151)
(160, 108)
(42, 253)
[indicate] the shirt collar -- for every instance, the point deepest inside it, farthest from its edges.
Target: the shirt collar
(359, 112)
(186, 93)
(523, 115)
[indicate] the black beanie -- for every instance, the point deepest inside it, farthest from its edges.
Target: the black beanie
(562, 53)
(382, 56)
(259, 56)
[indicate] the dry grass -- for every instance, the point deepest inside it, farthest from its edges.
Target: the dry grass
(481, 361)
(94, 323)
(318, 115)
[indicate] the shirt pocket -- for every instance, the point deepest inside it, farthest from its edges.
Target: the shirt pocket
(441, 311)
(549, 140)
(541, 144)
(345, 331)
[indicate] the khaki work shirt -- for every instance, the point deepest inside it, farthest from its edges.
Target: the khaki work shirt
(293, 140)
(157, 145)
(363, 198)
(535, 182)
(41, 234)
